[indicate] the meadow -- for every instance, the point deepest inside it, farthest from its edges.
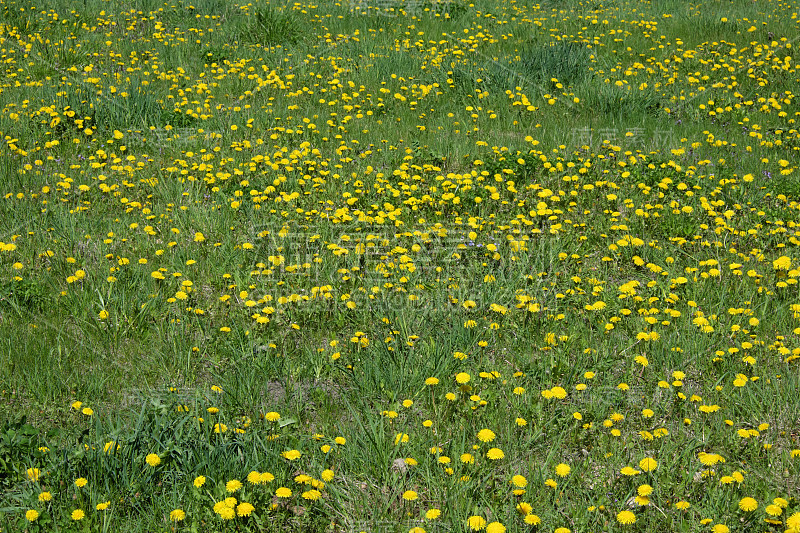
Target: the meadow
(399, 266)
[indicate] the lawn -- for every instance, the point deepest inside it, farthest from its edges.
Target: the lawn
(399, 266)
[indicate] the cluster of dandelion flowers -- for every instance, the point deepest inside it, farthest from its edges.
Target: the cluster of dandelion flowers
(226, 508)
(311, 495)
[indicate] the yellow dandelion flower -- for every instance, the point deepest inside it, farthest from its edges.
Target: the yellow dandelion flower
(311, 495)
(33, 474)
(563, 470)
(433, 514)
(773, 510)
(495, 527)
(476, 523)
(782, 263)
(710, 459)
(626, 517)
(629, 471)
(524, 508)
(486, 435)
(291, 455)
(533, 520)
(748, 504)
(648, 464)
(495, 454)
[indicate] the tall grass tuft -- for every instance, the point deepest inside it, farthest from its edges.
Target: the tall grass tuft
(565, 61)
(268, 26)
